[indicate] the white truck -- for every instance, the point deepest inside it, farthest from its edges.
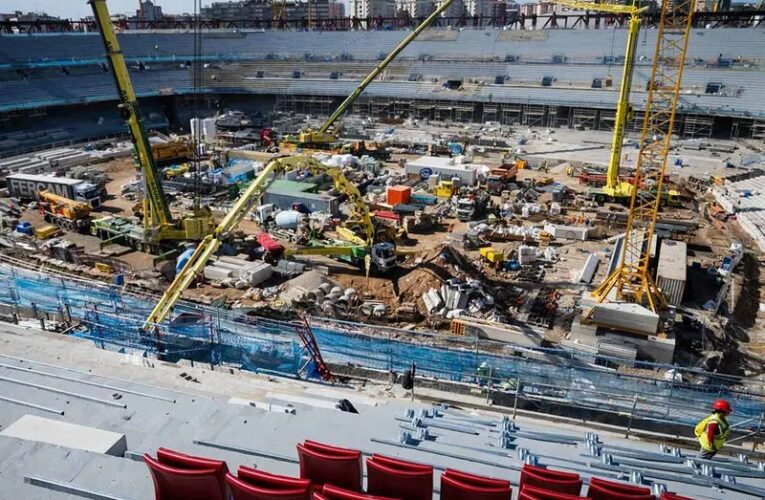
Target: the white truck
(26, 187)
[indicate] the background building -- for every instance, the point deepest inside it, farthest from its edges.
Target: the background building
(415, 8)
(248, 9)
(336, 10)
(373, 8)
(457, 9)
(149, 12)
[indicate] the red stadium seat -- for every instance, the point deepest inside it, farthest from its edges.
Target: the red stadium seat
(242, 490)
(254, 484)
(190, 462)
(173, 483)
(673, 496)
(397, 478)
(324, 464)
(328, 449)
(330, 492)
(562, 482)
(457, 485)
(534, 493)
(600, 489)
(264, 479)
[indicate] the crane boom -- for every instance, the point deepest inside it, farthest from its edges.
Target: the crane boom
(614, 187)
(380, 67)
(157, 213)
(251, 197)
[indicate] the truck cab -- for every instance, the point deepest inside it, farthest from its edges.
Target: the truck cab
(383, 256)
(466, 209)
(89, 193)
(263, 213)
(472, 208)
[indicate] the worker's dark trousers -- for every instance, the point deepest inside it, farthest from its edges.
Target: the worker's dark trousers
(706, 454)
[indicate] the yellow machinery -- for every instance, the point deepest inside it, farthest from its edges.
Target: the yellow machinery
(445, 189)
(323, 137)
(176, 170)
(173, 150)
(63, 212)
(492, 255)
(632, 281)
(360, 217)
(158, 222)
(46, 232)
(614, 188)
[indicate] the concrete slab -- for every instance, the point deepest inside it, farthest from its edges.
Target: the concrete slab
(56, 432)
(626, 316)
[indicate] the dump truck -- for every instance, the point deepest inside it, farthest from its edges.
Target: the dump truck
(500, 178)
(472, 207)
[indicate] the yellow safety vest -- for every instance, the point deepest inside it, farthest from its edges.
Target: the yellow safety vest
(723, 430)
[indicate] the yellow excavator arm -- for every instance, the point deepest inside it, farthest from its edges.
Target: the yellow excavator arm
(251, 197)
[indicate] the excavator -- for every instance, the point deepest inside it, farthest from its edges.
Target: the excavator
(160, 229)
(63, 212)
(326, 137)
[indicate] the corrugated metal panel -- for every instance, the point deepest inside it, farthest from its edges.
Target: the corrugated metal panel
(287, 185)
(673, 289)
(314, 202)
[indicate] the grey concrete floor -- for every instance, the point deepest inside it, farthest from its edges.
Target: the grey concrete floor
(214, 407)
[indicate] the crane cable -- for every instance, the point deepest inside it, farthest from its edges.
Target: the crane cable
(197, 83)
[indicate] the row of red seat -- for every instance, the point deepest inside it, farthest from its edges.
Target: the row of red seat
(333, 473)
(539, 483)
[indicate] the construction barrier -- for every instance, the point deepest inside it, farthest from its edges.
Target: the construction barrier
(112, 318)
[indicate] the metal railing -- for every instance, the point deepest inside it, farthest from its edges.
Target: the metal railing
(112, 317)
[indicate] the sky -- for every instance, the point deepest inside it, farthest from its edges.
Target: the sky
(80, 8)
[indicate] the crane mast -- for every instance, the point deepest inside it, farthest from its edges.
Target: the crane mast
(615, 188)
(156, 211)
(632, 280)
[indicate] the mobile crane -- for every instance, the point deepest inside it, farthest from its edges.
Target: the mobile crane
(616, 189)
(63, 212)
(159, 226)
(323, 138)
(362, 246)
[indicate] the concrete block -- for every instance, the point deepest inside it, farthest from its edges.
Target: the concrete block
(587, 272)
(58, 433)
(626, 316)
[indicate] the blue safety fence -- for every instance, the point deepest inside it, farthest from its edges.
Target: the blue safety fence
(113, 319)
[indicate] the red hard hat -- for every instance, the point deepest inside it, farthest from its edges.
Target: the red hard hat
(722, 405)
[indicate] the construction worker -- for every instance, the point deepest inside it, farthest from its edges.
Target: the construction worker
(713, 431)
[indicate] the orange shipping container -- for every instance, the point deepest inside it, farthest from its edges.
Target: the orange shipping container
(399, 194)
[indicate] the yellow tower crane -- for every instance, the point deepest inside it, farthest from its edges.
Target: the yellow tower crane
(632, 281)
(615, 189)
